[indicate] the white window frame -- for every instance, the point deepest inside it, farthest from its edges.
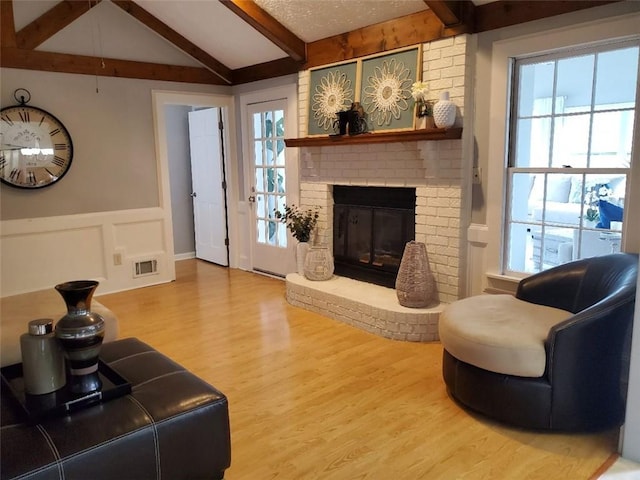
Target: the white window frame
(577, 170)
(614, 29)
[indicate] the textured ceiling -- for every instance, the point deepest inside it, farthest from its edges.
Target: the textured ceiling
(312, 20)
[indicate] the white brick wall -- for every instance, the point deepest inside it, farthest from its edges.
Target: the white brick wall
(435, 168)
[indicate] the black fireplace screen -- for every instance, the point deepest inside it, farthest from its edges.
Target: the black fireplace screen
(371, 226)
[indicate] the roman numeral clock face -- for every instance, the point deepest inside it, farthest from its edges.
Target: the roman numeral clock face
(35, 147)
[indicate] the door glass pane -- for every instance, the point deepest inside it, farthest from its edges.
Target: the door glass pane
(257, 125)
(278, 117)
(616, 78)
(269, 130)
(259, 179)
(280, 146)
(257, 153)
(272, 229)
(260, 206)
(271, 180)
(280, 180)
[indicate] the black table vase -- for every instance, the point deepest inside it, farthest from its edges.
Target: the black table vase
(80, 332)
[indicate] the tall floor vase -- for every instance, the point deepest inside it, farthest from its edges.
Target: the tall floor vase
(415, 283)
(81, 333)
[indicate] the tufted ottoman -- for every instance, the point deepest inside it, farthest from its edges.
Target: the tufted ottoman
(172, 426)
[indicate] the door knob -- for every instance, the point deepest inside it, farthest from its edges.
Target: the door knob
(194, 194)
(252, 198)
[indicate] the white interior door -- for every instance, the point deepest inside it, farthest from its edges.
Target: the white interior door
(272, 249)
(207, 176)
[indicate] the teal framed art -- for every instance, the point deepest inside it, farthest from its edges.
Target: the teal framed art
(385, 89)
(331, 90)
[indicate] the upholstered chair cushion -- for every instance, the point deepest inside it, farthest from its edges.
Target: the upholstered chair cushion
(499, 333)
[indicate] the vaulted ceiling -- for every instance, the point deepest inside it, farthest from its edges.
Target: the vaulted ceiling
(229, 42)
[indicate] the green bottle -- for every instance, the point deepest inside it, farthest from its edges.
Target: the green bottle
(43, 368)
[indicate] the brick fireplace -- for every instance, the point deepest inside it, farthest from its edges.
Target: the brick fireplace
(434, 168)
(438, 173)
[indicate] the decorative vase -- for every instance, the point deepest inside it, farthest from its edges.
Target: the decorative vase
(81, 333)
(301, 254)
(415, 284)
(444, 111)
(319, 263)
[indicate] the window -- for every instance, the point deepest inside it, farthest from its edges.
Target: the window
(570, 141)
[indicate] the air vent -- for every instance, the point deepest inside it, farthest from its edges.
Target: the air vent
(142, 268)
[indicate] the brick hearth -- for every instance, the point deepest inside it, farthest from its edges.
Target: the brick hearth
(366, 306)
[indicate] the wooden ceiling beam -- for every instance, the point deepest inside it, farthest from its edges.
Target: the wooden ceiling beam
(7, 26)
(105, 67)
(452, 12)
(504, 13)
(51, 22)
(263, 71)
(140, 14)
(268, 26)
(405, 31)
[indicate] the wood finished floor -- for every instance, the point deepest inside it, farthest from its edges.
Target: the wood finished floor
(311, 398)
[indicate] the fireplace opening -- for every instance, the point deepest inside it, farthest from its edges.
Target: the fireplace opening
(371, 226)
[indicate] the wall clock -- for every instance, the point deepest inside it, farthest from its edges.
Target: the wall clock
(35, 147)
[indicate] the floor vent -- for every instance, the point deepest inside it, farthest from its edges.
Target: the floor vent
(142, 268)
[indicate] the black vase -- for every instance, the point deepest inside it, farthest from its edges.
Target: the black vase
(81, 333)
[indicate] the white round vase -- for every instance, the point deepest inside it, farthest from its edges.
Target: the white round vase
(444, 111)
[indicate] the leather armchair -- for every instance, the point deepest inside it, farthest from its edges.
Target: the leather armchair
(584, 384)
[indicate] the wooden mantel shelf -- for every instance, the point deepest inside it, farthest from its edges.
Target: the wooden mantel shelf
(387, 137)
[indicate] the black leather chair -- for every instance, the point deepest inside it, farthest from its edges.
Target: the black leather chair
(584, 384)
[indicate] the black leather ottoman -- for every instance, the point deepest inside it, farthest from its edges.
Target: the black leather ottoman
(172, 426)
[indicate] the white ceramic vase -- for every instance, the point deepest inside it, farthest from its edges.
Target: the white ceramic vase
(444, 111)
(301, 254)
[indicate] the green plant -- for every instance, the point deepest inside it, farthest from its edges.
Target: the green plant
(299, 222)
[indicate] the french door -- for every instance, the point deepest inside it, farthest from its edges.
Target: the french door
(272, 249)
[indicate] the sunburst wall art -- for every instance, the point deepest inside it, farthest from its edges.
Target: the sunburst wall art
(332, 89)
(385, 92)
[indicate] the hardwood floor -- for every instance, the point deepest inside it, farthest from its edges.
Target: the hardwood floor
(311, 398)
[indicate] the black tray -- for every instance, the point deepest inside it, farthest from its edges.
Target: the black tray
(62, 402)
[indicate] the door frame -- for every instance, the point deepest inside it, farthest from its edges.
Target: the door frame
(289, 93)
(226, 103)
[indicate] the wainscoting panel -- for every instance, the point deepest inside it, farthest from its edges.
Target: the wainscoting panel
(39, 253)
